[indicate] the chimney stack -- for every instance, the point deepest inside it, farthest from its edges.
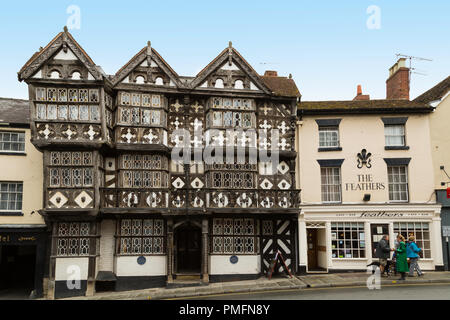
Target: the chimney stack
(271, 73)
(359, 95)
(397, 85)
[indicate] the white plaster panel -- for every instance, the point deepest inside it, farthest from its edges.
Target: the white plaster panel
(246, 264)
(128, 266)
(63, 268)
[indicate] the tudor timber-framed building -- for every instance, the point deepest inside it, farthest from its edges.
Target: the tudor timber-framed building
(123, 214)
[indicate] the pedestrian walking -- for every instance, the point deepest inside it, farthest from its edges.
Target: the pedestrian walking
(412, 253)
(402, 261)
(383, 252)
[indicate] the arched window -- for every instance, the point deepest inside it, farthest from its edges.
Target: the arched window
(239, 84)
(55, 75)
(219, 83)
(140, 79)
(159, 81)
(76, 75)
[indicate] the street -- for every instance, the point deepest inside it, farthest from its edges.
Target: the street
(387, 292)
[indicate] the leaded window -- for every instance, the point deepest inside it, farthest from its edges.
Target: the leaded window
(234, 180)
(70, 169)
(229, 119)
(235, 236)
(12, 141)
(141, 237)
(73, 239)
(148, 171)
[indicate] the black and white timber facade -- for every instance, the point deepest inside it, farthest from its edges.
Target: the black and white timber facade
(123, 213)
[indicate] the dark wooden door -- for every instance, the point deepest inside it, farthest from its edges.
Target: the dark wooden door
(376, 232)
(312, 249)
(189, 257)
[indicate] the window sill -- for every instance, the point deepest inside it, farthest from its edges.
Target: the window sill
(6, 153)
(396, 148)
(11, 214)
(324, 149)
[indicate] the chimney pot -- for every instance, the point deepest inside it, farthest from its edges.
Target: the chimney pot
(359, 90)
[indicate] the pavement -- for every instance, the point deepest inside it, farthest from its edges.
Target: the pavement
(263, 284)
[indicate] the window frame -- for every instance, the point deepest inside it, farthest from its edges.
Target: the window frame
(8, 201)
(20, 135)
(214, 234)
(120, 237)
(329, 185)
(392, 183)
(392, 136)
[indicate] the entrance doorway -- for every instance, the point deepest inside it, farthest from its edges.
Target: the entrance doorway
(377, 231)
(188, 249)
(17, 271)
(316, 250)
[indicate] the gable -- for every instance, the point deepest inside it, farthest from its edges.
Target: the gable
(230, 71)
(60, 59)
(147, 67)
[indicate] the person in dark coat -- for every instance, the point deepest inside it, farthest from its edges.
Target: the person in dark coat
(402, 261)
(383, 252)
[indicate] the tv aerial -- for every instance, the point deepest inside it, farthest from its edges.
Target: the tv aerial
(411, 69)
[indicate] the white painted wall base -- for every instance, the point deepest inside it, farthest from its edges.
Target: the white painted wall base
(71, 268)
(220, 264)
(128, 266)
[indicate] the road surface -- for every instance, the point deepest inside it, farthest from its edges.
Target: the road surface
(397, 291)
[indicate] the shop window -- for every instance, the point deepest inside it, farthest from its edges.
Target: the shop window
(235, 236)
(420, 230)
(141, 236)
(398, 183)
(348, 240)
(331, 184)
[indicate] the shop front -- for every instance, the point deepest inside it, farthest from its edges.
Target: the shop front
(344, 237)
(22, 260)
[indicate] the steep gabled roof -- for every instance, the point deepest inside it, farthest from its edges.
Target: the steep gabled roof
(282, 86)
(62, 40)
(141, 56)
(14, 111)
(362, 106)
(226, 54)
(435, 93)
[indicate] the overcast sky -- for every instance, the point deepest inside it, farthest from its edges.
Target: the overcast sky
(329, 46)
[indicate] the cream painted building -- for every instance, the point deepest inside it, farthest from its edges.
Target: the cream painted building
(365, 169)
(439, 98)
(22, 229)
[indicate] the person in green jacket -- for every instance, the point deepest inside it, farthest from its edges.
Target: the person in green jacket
(402, 261)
